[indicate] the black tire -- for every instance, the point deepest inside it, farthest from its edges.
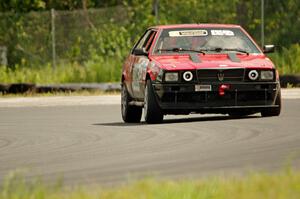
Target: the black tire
(130, 113)
(152, 112)
(273, 111)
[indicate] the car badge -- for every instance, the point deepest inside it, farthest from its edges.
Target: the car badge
(220, 76)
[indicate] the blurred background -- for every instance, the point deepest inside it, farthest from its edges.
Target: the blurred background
(60, 41)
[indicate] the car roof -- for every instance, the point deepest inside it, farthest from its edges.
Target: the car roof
(195, 26)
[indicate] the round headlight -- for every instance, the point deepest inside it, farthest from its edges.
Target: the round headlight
(188, 76)
(253, 75)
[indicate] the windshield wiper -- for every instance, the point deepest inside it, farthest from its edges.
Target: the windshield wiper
(180, 50)
(218, 49)
(236, 49)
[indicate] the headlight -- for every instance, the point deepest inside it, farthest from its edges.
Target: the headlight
(253, 75)
(188, 76)
(266, 75)
(171, 77)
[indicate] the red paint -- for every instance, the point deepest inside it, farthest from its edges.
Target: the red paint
(223, 88)
(183, 61)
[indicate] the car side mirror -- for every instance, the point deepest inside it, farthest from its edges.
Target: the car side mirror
(269, 48)
(140, 51)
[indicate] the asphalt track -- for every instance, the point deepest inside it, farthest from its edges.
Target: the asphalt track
(88, 144)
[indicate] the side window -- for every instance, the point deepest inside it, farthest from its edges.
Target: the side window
(146, 40)
(143, 39)
(150, 40)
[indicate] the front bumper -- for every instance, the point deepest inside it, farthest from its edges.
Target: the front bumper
(182, 98)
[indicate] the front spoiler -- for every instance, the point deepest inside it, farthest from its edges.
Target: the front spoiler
(247, 95)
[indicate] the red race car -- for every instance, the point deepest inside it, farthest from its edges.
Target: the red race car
(198, 68)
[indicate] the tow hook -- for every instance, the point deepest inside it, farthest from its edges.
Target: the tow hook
(223, 88)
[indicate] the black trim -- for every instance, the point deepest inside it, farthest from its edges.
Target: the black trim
(183, 97)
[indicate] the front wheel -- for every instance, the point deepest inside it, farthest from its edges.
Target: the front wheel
(130, 113)
(273, 111)
(152, 111)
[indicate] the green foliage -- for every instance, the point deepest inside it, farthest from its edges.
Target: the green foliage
(97, 70)
(87, 39)
(288, 60)
(283, 22)
(100, 68)
(252, 186)
(193, 11)
(22, 6)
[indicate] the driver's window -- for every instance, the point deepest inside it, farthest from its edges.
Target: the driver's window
(146, 40)
(149, 41)
(142, 41)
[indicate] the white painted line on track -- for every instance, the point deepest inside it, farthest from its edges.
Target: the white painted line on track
(92, 100)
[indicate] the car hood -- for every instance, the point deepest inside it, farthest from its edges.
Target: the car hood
(184, 62)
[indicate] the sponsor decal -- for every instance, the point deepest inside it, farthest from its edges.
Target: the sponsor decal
(188, 33)
(139, 70)
(222, 33)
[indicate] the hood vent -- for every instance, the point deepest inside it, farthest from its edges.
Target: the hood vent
(195, 58)
(233, 57)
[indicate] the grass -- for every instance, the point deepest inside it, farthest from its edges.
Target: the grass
(99, 70)
(288, 60)
(285, 184)
(92, 71)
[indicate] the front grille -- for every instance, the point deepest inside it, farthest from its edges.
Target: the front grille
(213, 99)
(221, 75)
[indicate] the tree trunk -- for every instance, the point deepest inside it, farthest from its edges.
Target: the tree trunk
(86, 14)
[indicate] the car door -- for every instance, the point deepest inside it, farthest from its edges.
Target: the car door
(127, 67)
(140, 63)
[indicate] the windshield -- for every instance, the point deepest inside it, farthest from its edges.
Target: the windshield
(204, 40)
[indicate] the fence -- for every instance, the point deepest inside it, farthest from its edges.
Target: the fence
(57, 37)
(3, 55)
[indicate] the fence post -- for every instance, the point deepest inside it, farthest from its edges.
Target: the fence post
(262, 34)
(3, 56)
(53, 38)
